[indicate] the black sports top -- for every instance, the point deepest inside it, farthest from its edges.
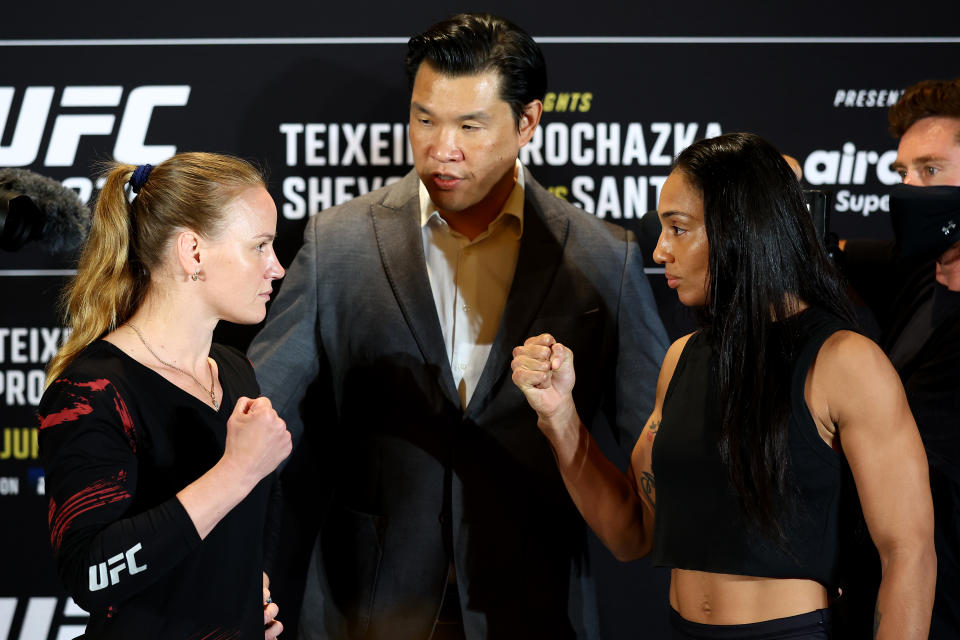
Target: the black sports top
(699, 524)
(118, 441)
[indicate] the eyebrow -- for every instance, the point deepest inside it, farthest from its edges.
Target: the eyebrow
(267, 236)
(671, 214)
(919, 160)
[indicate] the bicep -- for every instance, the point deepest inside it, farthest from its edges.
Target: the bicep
(879, 438)
(103, 552)
(89, 459)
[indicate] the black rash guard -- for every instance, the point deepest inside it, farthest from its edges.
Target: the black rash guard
(118, 441)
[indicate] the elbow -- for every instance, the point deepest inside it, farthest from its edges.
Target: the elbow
(84, 601)
(916, 562)
(87, 600)
(79, 584)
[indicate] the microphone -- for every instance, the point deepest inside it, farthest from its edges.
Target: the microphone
(33, 207)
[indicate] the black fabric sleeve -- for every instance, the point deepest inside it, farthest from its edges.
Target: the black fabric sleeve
(104, 553)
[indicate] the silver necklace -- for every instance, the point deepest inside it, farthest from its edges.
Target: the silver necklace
(213, 397)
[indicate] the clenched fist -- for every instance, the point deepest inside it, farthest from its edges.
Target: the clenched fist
(257, 438)
(543, 371)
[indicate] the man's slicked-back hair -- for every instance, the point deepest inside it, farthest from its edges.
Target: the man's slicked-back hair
(472, 43)
(924, 100)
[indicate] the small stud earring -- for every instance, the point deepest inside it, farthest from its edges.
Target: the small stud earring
(196, 275)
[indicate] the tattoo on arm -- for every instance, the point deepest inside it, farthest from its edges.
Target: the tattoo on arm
(876, 621)
(652, 430)
(648, 486)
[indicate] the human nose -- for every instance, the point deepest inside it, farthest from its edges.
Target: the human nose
(446, 147)
(275, 270)
(661, 253)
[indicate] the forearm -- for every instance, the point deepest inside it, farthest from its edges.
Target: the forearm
(211, 496)
(123, 557)
(605, 497)
(906, 593)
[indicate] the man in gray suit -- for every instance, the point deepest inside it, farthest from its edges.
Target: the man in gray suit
(445, 516)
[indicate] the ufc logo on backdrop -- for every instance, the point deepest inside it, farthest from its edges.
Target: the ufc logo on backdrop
(37, 108)
(99, 573)
(41, 618)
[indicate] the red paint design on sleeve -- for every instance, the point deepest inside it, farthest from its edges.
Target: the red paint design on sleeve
(99, 494)
(65, 415)
(126, 420)
(77, 391)
(93, 385)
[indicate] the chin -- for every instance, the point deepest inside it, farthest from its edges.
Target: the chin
(447, 204)
(248, 318)
(691, 301)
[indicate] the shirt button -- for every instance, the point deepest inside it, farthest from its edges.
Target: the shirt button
(466, 307)
(462, 366)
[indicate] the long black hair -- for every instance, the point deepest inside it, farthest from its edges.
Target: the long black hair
(765, 260)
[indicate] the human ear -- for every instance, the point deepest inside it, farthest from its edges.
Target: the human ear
(188, 246)
(529, 119)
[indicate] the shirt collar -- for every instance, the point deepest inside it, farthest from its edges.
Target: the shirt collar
(512, 207)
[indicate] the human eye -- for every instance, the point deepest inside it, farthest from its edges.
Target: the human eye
(931, 170)
(902, 173)
(261, 248)
(677, 231)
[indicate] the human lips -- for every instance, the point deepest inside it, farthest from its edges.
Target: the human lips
(445, 180)
(672, 280)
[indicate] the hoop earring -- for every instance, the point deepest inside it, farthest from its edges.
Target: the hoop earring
(196, 275)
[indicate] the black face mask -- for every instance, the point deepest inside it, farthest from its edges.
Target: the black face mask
(926, 220)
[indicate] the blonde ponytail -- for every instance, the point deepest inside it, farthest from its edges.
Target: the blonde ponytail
(127, 240)
(105, 290)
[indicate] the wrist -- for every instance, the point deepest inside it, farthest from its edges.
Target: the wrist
(234, 475)
(565, 434)
(563, 420)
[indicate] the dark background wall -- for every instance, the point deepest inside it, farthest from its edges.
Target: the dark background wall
(316, 93)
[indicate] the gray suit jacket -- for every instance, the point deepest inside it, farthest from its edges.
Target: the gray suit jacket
(415, 482)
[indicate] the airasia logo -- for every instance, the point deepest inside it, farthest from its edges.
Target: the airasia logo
(37, 109)
(850, 166)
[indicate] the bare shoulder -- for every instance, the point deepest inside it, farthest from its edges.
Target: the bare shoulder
(855, 379)
(850, 356)
(669, 365)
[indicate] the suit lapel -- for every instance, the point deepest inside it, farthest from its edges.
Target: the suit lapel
(396, 223)
(541, 250)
